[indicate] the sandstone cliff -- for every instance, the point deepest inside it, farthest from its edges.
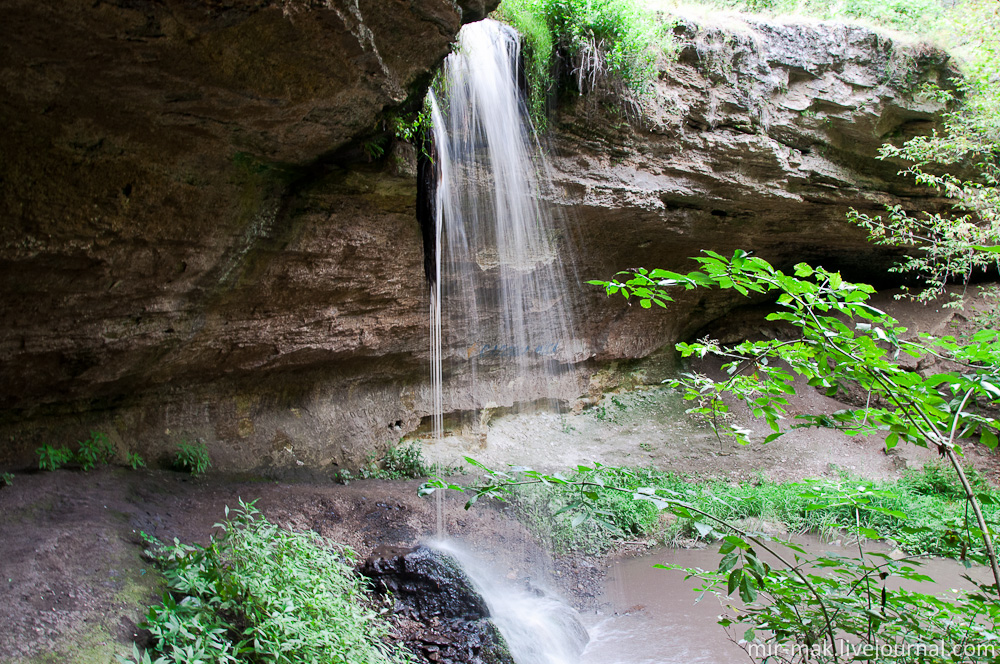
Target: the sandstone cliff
(194, 244)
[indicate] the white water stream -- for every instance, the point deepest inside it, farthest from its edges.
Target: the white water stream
(498, 301)
(500, 323)
(538, 627)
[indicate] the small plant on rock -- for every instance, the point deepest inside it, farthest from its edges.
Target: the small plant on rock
(96, 449)
(192, 457)
(6, 479)
(53, 458)
(135, 461)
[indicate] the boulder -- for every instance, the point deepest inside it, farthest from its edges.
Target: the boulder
(444, 618)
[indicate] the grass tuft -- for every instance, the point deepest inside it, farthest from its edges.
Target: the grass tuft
(923, 512)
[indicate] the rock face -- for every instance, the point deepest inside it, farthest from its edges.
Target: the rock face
(443, 617)
(195, 243)
(761, 137)
(188, 244)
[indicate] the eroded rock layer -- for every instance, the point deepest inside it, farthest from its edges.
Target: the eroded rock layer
(199, 239)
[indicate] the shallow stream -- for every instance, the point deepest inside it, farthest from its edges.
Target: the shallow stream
(656, 618)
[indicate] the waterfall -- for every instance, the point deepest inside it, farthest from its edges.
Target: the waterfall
(539, 628)
(499, 313)
(498, 306)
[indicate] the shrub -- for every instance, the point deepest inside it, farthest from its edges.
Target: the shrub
(135, 461)
(192, 457)
(609, 44)
(53, 458)
(259, 593)
(94, 450)
(399, 462)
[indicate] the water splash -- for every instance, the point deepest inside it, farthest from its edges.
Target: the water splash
(538, 627)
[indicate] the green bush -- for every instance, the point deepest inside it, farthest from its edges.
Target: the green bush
(192, 457)
(607, 44)
(135, 461)
(6, 479)
(53, 458)
(402, 461)
(95, 450)
(259, 593)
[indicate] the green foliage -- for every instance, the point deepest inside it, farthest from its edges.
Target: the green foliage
(95, 450)
(610, 45)
(410, 127)
(399, 462)
(135, 461)
(937, 522)
(259, 593)
(843, 344)
(852, 612)
(6, 479)
(948, 246)
(53, 458)
(529, 18)
(941, 481)
(374, 148)
(800, 608)
(988, 317)
(192, 457)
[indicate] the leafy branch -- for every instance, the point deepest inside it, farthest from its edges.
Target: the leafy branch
(841, 342)
(810, 602)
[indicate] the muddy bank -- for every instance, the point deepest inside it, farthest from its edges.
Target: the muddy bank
(75, 583)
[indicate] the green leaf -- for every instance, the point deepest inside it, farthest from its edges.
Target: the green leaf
(735, 577)
(988, 437)
(747, 591)
(756, 567)
(703, 529)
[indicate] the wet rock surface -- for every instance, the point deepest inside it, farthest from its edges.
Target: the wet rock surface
(442, 617)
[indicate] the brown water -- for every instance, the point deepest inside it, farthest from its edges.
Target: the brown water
(657, 618)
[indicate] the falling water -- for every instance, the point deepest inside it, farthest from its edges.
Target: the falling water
(498, 302)
(538, 627)
(497, 308)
